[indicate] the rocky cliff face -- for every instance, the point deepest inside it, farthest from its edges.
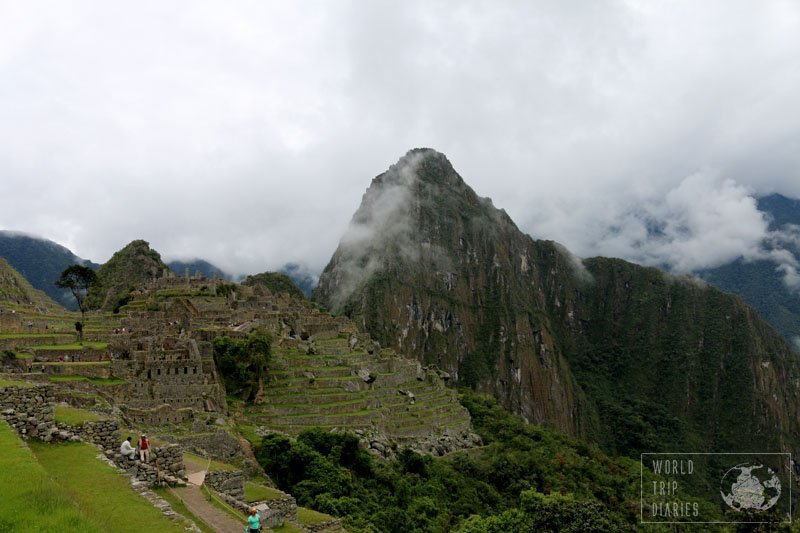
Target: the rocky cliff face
(439, 273)
(134, 265)
(629, 356)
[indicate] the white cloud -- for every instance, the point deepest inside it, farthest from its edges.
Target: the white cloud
(246, 133)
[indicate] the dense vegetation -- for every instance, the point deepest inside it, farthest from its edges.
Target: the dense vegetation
(41, 261)
(198, 265)
(133, 266)
(243, 363)
(523, 469)
(301, 277)
(276, 282)
(15, 289)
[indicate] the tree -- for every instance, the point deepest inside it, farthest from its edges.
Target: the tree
(78, 279)
(243, 363)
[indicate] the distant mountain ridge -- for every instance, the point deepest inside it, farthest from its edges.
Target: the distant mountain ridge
(205, 268)
(16, 292)
(41, 262)
(631, 357)
(761, 283)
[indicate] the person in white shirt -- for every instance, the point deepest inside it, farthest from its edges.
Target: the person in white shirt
(127, 450)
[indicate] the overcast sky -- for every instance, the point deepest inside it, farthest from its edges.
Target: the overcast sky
(246, 133)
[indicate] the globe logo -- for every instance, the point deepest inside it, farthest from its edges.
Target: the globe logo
(750, 486)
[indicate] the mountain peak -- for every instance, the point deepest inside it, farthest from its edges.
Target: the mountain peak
(407, 216)
(432, 270)
(133, 265)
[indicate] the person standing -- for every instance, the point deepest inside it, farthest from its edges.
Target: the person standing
(144, 448)
(254, 521)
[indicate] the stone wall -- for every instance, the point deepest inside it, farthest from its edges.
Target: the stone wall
(159, 415)
(230, 482)
(103, 433)
(29, 410)
(100, 370)
(164, 467)
(273, 513)
(169, 458)
(218, 444)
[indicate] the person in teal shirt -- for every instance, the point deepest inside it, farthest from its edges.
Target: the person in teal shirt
(254, 521)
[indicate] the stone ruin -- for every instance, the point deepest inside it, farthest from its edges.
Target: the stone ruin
(29, 411)
(170, 374)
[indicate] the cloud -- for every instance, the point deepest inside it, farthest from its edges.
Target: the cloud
(246, 133)
(782, 247)
(702, 222)
(383, 221)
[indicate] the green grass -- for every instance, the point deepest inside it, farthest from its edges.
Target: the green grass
(253, 492)
(201, 463)
(31, 500)
(73, 346)
(96, 381)
(32, 335)
(173, 497)
(105, 496)
(74, 364)
(14, 383)
(309, 517)
(287, 528)
(74, 416)
(249, 433)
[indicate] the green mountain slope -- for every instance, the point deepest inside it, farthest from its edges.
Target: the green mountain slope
(205, 268)
(134, 265)
(16, 292)
(41, 261)
(629, 356)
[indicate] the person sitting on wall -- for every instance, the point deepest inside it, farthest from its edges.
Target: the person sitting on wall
(144, 449)
(127, 450)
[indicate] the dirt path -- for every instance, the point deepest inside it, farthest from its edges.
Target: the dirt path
(215, 518)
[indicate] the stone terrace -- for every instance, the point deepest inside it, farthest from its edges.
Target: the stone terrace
(391, 401)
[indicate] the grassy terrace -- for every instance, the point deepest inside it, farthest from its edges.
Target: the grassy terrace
(74, 416)
(14, 383)
(73, 346)
(309, 517)
(98, 491)
(195, 462)
(254, 492)
(35, 335)
(304, 402)
(75, 364)
(32, 500)
(287, 528)
(96, 381)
